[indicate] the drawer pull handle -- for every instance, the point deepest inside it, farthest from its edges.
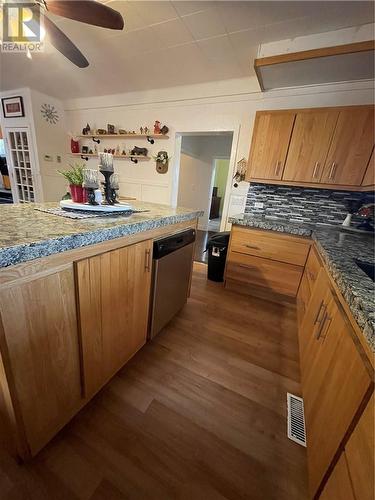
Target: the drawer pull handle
(318, 318)
(324, 326)
(253, 247)
(148, 260)
(277, 168)
(246, 267)
(316, 170)
(332, 172)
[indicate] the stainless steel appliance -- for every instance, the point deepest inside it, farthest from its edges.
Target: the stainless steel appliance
(171, 272)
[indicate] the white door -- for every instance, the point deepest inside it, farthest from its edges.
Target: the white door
(21, 165)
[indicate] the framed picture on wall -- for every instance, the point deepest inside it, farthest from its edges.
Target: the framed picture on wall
(12, 107)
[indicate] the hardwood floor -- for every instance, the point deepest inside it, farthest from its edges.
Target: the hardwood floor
(199, 413)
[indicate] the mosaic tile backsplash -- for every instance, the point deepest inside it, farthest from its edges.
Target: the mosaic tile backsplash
(302, 204)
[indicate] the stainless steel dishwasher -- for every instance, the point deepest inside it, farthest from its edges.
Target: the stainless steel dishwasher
(171, 274)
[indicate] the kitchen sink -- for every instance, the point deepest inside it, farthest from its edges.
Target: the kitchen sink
(367, 267)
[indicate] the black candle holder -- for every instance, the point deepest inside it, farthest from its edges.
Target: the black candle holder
(107, 186)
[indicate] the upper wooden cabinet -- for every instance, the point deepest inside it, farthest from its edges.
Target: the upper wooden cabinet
(317, 147)
(351, 147)
(309, 145)
(114, 291)
(270, 143)
(369, 177)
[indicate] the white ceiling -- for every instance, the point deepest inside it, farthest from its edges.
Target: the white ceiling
(169, 43)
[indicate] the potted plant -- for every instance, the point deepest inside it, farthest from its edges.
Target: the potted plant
(75, 178)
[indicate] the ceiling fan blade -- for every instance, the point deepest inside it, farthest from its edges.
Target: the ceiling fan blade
(62, 43)
(87, 11)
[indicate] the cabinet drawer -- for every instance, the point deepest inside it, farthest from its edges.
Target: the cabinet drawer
(269, 245)
(313, 266)
(275, 276)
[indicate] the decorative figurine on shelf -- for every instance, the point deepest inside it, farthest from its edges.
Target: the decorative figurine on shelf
(118, 150)
(106, 168)
(133, 132)
(86, 130)
(162, 162)
(141, 130)
(157, 127)
(101, 131)
(91, 184)
(136, 151)
(74, 145)
(164, 130)
(90, 152)
(85, 150)
(96, 149)
(146, 130)
(111, 129)
(123, 152)
(121, 131)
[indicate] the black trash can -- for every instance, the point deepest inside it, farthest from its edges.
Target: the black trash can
(217, 247)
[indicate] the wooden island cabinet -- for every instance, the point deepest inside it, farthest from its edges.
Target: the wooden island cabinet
(68, 323)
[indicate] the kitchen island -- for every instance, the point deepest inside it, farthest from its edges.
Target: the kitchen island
(74, 306)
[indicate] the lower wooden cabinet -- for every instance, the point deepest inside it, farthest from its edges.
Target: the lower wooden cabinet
(339, 485)
(352, 478)
(40, 354)
(113, 292)
(335, 379)
(265, 262)
(360, 451)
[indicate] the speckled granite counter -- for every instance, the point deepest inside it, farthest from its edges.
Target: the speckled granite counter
(338, 249)
(28, 234)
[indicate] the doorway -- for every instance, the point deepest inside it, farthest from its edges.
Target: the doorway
(203, 170)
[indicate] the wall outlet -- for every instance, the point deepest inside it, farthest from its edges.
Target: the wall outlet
(58, 159)
(48, 158)
(258, 204)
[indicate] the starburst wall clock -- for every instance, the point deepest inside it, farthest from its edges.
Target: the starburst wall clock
(49, 113)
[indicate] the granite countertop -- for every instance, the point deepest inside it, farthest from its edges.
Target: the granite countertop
(27, 233)
(338, 249)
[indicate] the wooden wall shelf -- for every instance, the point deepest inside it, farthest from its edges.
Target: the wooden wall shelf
(123, 136)
(133, 158)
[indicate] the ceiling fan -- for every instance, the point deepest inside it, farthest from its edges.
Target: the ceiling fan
(84, 11)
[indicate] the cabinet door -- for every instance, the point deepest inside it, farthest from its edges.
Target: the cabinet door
(369, 178)
(360, 451)
(339, 486)
(114, 290)
(334, 388)
(269, 145)
(41, 340)
(312, 134)
(351, 147)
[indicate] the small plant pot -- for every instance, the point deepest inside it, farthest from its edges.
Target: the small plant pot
(78, 193)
